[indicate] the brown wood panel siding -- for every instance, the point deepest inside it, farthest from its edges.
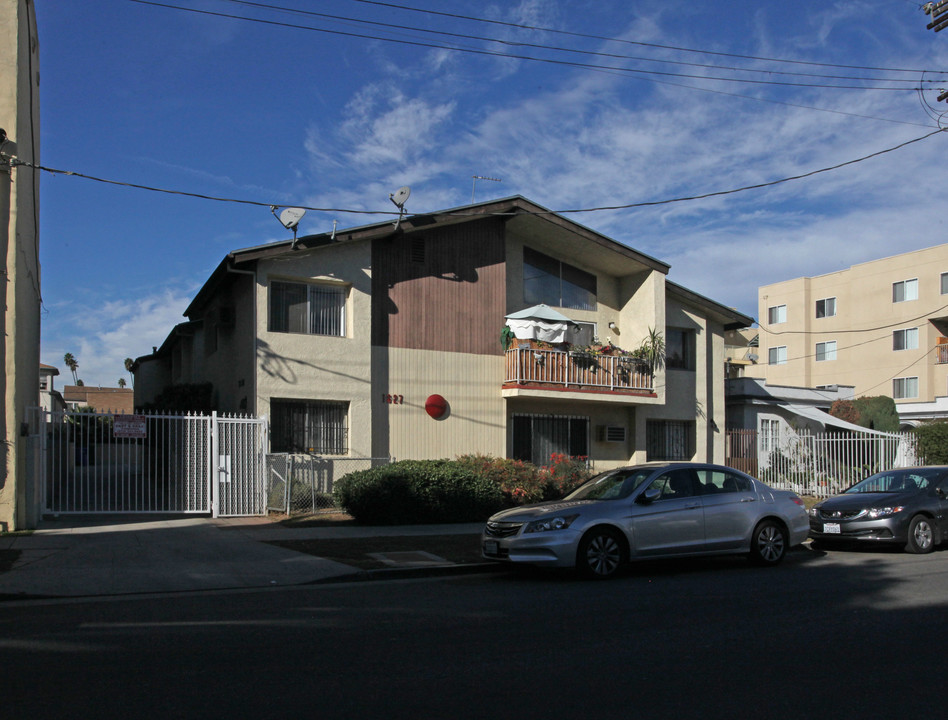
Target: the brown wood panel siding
(446, 293)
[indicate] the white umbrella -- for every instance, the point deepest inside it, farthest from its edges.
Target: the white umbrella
(539, 322)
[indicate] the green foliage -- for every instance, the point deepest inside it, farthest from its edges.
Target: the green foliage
(418, 491)
(845, 410)
(877, 413)
(522, 482)
(932, 439)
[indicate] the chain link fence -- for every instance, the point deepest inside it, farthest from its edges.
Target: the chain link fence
(298, 484)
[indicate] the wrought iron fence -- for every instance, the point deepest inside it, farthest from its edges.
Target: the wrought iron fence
(304, 483)
(820, 464)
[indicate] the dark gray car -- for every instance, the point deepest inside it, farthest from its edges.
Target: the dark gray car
(908, 507)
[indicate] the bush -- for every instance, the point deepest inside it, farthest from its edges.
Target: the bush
(523, 482)
(418, 491)
(933, 442)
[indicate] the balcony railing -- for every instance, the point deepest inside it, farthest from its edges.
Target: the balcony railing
(529, 366)
(941, 354)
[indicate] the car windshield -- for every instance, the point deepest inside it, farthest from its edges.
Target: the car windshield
(896, 481)
(611, 485)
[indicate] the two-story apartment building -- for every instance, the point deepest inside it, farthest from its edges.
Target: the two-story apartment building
(386, 341)
(879, 326)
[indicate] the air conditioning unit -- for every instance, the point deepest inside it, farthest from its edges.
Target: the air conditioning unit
(611, 433)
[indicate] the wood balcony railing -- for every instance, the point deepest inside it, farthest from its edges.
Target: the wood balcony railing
(941, 353)
(556, 368)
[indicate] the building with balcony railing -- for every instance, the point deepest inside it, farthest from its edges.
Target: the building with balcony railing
(879, 326)
(389, 340)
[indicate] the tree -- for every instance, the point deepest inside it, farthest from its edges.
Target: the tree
(932, 440)
(845, 410)
(129, 364)
(878, 413)
(121, 382)
(73, 365)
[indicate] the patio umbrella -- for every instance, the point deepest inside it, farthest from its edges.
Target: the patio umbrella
(540, 322)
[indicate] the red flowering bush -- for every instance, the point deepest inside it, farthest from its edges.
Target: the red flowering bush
(522, 482)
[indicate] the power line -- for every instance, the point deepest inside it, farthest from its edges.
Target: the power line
(493, 53)
(539, 46)
(923, 316)
(651, 203)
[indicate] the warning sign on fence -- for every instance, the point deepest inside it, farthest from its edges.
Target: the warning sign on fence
(129, 426)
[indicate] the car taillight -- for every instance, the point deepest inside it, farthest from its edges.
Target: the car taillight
(797, 499)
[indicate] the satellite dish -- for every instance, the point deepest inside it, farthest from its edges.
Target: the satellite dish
(291, 217)
(400, 196)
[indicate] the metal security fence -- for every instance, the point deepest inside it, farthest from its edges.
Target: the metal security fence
(149, 463)
(819, 464)
(304, 483)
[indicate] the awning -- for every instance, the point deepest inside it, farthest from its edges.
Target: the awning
(825, 418)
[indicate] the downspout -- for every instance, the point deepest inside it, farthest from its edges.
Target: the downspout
(253, 375)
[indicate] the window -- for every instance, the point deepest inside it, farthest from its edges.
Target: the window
(537, 437)
(905, 290)
(551, 282)
(307, 308)
(669, 440)
(583, 333)
(309, 426)
(906, 387)
(680, 349)
(777, 355)
(826, 350)
(711, 482)
(826, 307)
(944, 283)
(769, 434)
(777, 314)
(906, 339)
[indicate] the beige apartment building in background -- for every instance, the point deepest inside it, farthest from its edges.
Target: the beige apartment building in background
(880, 327)
(19, 242)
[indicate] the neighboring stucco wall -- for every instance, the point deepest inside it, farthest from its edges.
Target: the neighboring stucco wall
(295, 366)
(19, 245)
(862, 328)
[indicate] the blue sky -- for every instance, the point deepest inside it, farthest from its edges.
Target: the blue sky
(274, 113)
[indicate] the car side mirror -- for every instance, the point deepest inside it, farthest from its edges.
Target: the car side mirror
(940, 492)
(649, 496)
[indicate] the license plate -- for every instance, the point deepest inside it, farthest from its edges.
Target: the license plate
(831, 528)
(491, 547)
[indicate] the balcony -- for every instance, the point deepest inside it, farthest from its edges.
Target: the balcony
(561, 370)
(941, 353)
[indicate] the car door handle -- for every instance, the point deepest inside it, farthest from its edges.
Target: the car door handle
(748, 499)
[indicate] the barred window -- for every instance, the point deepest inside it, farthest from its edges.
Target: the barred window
(307, 308)
(537, 437)
(309, 426)
(669, 440)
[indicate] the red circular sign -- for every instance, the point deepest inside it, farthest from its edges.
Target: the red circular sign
(436, 406)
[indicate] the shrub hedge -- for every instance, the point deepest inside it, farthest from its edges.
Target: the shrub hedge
(468, 489)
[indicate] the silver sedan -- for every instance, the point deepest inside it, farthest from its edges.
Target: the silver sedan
(669, 509)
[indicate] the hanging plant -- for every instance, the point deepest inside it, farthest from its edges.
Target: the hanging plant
(506, 337)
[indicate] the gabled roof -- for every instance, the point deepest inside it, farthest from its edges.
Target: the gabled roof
(515, 209)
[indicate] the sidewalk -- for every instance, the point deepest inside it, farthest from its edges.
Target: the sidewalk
(78, 556)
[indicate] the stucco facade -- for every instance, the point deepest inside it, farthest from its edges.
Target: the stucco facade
(19, 242)
(356, 331)
(878, 326)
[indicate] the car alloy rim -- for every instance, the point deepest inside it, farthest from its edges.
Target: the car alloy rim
(603, 555)
(923, 534)
(770, 542)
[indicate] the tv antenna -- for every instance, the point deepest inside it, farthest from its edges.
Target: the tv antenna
(480, 177)
(289, 218)
(400, 197)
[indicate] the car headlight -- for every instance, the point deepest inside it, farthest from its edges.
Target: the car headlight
(814, 511)
(560, 522)
(875, 513)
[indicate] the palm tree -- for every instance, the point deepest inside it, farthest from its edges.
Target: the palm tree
(121, 382)
(73, 365)
(129, 363)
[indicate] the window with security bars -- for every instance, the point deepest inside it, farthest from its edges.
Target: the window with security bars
(669, 440)
(309, 426)
(537, 437)
(307, 308)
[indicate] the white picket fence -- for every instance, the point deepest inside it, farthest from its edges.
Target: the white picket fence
(819, 464)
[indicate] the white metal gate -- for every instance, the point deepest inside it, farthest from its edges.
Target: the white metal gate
(149, 463)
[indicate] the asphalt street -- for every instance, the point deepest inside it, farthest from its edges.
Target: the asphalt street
(836, 635)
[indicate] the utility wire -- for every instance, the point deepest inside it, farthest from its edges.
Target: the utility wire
(538, 46)
(462, 213)
(923, 316)
(493, 53)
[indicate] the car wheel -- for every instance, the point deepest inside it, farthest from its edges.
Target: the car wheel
(921, 535)
(768, 543)
(601, 554)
